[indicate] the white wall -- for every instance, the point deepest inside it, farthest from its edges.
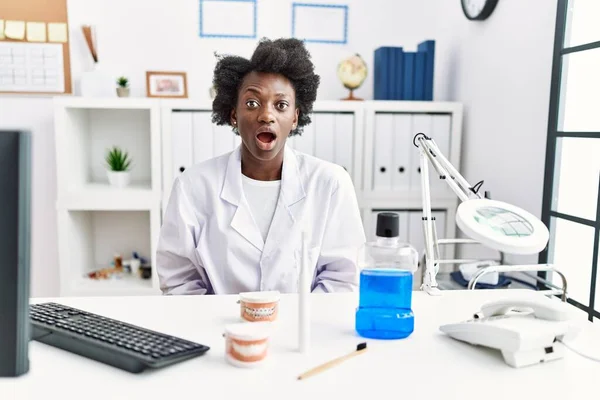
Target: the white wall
(500, 69)
(502, 75)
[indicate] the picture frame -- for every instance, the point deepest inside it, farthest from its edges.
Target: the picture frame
(166, 84)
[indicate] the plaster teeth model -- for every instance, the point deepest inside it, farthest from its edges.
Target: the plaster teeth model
(259, 306)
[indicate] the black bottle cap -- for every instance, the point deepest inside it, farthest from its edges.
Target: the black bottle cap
(388, 224)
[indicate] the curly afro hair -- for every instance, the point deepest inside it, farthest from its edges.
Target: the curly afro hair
(288, 57)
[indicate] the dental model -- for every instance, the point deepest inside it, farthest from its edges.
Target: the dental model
(259, 306)
(247, 345)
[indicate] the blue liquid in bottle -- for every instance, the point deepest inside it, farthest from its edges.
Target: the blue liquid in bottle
(386, 279)
(384, 310)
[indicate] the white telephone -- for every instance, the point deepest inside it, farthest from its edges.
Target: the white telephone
(527, 331)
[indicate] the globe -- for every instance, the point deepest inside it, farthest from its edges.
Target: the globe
(352, 72)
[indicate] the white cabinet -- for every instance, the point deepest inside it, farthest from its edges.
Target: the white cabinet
(189, 137)
(97, 221)
(194, 138)
(392, 162)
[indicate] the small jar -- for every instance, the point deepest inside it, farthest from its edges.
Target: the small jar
(247, 345)
(259, 306)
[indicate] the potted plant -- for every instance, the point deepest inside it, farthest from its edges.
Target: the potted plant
(118, 163)
(123, 87)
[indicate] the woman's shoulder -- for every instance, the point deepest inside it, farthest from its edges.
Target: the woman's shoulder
(207, 168)
(322, 170)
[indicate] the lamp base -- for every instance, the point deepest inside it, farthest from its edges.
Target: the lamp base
(432, 291)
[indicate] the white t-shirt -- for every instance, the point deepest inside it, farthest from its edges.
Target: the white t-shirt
(262, 198)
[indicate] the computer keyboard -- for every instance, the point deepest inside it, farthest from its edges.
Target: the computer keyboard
(107, 340)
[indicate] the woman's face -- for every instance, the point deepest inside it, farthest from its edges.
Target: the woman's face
(265, 113)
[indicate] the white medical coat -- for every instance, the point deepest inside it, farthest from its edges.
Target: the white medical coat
(210, 244)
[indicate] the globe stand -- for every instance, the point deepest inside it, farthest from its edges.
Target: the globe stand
(351, 96)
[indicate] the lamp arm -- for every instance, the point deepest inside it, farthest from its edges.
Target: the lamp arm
(430, 153)
(444, 168)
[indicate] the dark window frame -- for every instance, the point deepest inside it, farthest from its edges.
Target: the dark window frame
(554, 136)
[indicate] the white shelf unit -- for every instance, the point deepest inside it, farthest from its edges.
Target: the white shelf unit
(96, 220)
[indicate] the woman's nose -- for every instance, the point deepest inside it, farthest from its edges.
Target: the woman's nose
(266, 115)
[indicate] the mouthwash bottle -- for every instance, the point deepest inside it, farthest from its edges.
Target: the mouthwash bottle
(386, 279)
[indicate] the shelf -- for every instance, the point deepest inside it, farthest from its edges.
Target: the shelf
(102, 196)
(89, 240)
(127, 285)
(105, 103)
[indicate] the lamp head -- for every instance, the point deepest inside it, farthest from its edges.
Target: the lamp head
(502, 226)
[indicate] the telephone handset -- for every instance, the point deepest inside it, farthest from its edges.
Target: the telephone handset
(543, 308)
(526, 330)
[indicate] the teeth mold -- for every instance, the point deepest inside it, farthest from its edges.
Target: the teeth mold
(247, 345)
(259, 306)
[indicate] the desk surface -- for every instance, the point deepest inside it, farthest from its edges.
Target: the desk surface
(426, 365)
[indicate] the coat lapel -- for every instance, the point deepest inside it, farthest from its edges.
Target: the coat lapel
(292, 191)
(233, 193)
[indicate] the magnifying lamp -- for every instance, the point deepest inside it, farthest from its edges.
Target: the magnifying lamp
(498, 225)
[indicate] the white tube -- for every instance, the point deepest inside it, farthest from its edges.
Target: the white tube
(303, 299)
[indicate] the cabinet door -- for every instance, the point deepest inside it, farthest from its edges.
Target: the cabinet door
(415, 232)
(305, 143)
(181, 142)
(382, 152)
(344, 140)
(403, 149)
(325, 136)
(440, 132)
(203, 136)
(421, 123)
(417, 235)
(223, 139)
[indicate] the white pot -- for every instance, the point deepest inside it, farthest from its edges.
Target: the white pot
(118, 179)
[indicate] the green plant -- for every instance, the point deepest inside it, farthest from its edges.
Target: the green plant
(117, 159)
(123, 82)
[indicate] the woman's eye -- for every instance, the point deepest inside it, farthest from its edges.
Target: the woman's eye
(282, 106)
(252, 103)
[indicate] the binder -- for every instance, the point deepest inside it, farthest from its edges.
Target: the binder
(428, 47)
(440, 132)
(398, 72)
(420, 123)
(181, 142)
(325, 132)
(419, 81)
(382, 152)
(202, 136)
(305, 143)
(381, 74)
(408, 76)
(402, 149)
(344, 139)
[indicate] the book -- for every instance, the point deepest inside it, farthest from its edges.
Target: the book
(428, 47)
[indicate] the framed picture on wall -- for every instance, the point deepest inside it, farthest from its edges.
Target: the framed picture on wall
(166, 84)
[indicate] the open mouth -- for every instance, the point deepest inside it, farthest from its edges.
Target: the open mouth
(265, 139)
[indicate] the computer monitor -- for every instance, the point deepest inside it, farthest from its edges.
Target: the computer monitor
(15, 179)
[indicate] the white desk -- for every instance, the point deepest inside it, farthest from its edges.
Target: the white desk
(427, 365)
